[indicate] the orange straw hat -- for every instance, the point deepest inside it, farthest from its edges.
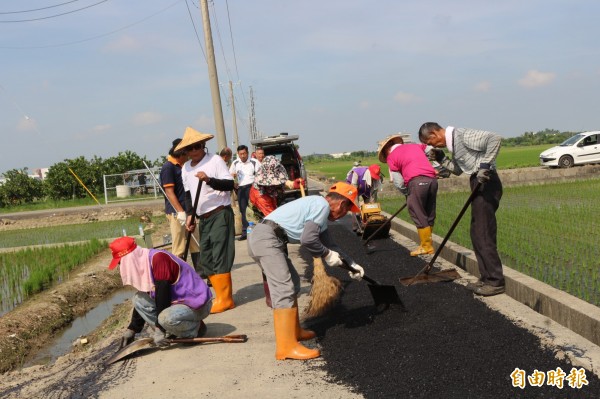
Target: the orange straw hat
(348, 191)
(121, 247)
(191, 136)
(388, 141)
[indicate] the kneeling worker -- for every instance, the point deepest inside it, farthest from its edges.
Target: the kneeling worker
(171, 297)
(305, 221)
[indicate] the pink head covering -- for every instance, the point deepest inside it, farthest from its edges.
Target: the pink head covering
(135, 264)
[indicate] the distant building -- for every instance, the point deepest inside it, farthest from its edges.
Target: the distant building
(39, 173)
(340, 154)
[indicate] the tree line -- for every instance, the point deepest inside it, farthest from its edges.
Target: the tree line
(60, 184)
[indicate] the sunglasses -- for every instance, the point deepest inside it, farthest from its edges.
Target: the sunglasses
(196, 146)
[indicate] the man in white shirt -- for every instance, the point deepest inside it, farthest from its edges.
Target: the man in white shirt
(209, 174)
(244, 170)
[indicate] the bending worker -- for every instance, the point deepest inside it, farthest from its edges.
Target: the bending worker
(171, 297)
(414, 177)
(305, 221)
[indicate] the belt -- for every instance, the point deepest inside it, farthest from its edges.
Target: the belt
(212, 212)
(277, 229)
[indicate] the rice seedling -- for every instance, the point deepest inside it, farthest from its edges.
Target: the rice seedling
(29, 271)
(549, 232)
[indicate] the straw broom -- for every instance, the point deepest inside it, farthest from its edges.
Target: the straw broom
(324, 292)
(325, 289)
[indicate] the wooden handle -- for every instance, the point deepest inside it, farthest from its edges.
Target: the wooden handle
(302, 190)
(226, 338)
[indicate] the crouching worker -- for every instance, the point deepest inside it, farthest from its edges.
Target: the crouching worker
(305, 221)
(171, 297)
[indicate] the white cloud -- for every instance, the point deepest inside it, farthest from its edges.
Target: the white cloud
(146, 118)
(535, 78)
(364, 104)
(483, 86)
(27, 124)
(123, 43)
(101, 128)
(406, 98)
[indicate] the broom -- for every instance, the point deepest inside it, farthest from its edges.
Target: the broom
(325, 289)
(324, 292)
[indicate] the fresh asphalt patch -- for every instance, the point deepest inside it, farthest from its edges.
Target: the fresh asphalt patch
(445, 343)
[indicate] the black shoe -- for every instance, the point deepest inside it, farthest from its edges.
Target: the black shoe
(242, 238)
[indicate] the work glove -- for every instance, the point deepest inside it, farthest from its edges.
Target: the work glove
(289, 184)
(159, 339)
(181, 218)
(403, 190)
(333, 258)
(298, 182)
(360, 272)
(483, 175)
(127, 338)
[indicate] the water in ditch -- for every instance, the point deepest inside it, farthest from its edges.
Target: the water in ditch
(81, 326)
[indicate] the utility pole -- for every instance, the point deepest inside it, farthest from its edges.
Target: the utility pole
(235, 132)
(213, 78)
(252, 117)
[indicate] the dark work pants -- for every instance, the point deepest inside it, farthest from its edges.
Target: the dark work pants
(243, 197)
(217, 243)
(484, 229)
(422, 193)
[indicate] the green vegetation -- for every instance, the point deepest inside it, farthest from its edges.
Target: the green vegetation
(549, 232)
(29, 271)
(70, 233)
(509, 158)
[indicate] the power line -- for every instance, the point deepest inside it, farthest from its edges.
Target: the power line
(93, 37)
(233, 50)
(56, 15)
(37, 9)
(196, 31)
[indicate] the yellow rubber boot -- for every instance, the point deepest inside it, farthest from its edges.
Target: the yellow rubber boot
(287, 344)
(302, 334)
(426, 246)
(222, 286)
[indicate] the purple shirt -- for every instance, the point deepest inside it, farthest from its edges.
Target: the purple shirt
(410, 160)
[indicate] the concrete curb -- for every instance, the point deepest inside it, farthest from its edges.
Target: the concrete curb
(573, 313)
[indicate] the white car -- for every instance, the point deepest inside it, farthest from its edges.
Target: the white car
(577, 150)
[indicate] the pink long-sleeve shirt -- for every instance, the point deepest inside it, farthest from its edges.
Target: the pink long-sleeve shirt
(410, 160)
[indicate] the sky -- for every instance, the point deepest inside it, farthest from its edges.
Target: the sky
(98, 77)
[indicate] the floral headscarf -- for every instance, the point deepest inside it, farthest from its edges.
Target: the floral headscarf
(270, 176)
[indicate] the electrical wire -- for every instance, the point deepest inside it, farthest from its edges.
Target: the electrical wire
(233, 50)
(56, 15)
(94, 37)
(194, 25)
(37, 9)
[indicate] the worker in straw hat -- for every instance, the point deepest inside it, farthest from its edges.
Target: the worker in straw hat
(170, 296)
(305, 221)
(414, 177)
(209, 173)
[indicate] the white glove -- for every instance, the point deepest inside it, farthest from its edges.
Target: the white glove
(333, 258)
(127, 338)
(360, 272)
(159, 339)
(181, 218)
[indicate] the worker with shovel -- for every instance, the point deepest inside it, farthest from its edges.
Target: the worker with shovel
(367, 180)
(170, 297)
(414, 177)
(305, 221)
(474, 152)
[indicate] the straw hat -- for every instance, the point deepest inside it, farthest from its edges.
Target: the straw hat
(348, 191)
(388, 141)
(192, 136)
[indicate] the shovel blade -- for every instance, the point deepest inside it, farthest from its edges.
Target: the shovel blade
(135, 346)
(437, 277)
(385, 295)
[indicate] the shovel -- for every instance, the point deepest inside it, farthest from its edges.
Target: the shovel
(385, 295)
(145, 343)
(445, 275)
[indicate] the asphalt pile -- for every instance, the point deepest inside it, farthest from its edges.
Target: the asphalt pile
(442, 344)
